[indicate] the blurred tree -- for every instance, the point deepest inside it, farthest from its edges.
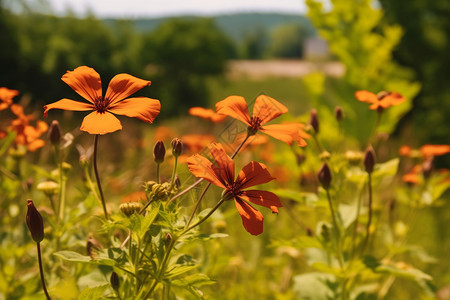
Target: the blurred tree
(286, 41)
(182, 54)
(425, 47)
(254, 44)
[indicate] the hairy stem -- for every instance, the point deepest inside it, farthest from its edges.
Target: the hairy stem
(369, 221)
(97, 177)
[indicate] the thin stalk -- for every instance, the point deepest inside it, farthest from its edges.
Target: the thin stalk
(185, 191)
(41, 271)
(62, 198)
(338, 231)
(355, 229)
(369, 221)
(197, 204)
(319, 146)
(206, 217)
(97, 177)
(158, 178)
(52, 203)
(238, 148)
(174, 172)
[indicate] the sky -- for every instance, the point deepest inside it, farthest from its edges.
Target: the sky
(158, 8)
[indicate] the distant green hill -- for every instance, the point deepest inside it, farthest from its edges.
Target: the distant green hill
(236, 26)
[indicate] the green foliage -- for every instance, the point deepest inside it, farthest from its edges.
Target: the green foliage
(287, 41)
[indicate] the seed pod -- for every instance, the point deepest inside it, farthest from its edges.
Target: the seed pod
(339, 113)
(314, 121)
(177, 147)
(54, 133)
(324, 176)
(115, 283)
(34, 222)
(159, 151)
(369, 159)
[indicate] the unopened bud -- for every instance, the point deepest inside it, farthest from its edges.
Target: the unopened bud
(129, 208)
(177, 181)
(177, 147)
(324, 176)
(314, 121)
(168, 239)
(427, 167)
(34, 222)
(115, 283)
(300, 158)
(369, 159)
(49, 188)
(159, 151)
(339, 113)
(309, 232)
(54, 133)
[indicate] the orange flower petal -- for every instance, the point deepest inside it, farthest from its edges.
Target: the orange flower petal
(122, 86)
(267, 108)
(203, 168)
(434, 150)
(36, 144)
(366, 96)
(264, 198)
(6, 94)
(376, 105)
(224, 167)
(252, 219)
(86, 82)
(395, 98)
(17, 109)
(68, 104)
(253, 173)
(235, 107)
(197, 142)
(100, 123)
(404, 150)
(206, 113)
(287, 133)
(41, 126)
(410, 178)
(143, 108)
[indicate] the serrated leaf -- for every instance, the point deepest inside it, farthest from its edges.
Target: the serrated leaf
(73, 256)
(197, 280)
(93, 293)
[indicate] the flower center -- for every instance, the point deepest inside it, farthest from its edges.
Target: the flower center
(255, 125)
(233, 190)
(101, 105)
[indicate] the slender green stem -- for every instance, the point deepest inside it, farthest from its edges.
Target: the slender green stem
(52, 203)
(197, 204)
(174, 172)
(206, 217)
(355, 228)
(97, 177)
(158, 178)
(338, 231)
(91, 184)
(369, 221)
(41, 271)
(238, 148)
(319, 146)
(185, 191)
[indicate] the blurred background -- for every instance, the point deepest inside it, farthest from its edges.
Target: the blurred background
(198, 52)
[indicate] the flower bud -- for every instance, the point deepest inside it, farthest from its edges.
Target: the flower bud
(54, 133)
(339, 113)
(314, 121)
(49, 188)
(129, 208)
(369, 159)
(324, 176)
(34, 222)
(159, 151)
(115, 283)
(177, 181)
(177, 147)
(168, 239)
(309, 232)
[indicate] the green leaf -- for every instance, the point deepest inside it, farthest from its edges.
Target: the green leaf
(387, 169)
(196, 280)
(178, 270)
(93, 293)
(326, 269)
(313, 286)
(73, 256)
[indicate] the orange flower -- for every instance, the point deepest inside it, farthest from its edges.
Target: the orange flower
(25, 133)
(197, 142)
(265, 110)
(207, 114)
(221, 173)
(86, 82)
(434, 150)
(404, 150)
(413, 175)
(6, 96)
(380, 101)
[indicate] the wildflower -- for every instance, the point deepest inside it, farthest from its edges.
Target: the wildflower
(380, 101)
(222, 174)
(413, 176)
(207, 114)
(265, 110)
(177, 147)
(86, 82)
(27, 134)
(34, 222)
(434, 150)
(159, 151)
(6, 96)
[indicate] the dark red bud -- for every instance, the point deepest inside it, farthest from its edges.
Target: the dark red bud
(159, 151)
(369, 159)
(177, 147)
(54, 132)
(115, 283)
(314, 121)
(324, 176)
(339, 113)
(34, 222)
